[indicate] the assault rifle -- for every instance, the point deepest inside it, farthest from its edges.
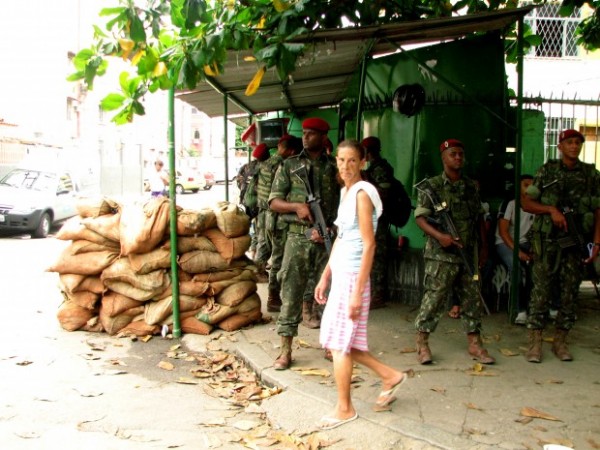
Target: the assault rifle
(315, 208)
(445, 221)
(576, 239)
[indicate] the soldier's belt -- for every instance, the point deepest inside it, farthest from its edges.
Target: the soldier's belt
(298, 228)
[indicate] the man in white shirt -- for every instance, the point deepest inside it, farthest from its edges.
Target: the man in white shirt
(505, 243)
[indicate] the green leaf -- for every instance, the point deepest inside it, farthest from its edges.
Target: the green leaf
(268, 53)
(137, 32)
(76, 76)
(138, 108)
(112, 102)
(111, 11)
(124, 116)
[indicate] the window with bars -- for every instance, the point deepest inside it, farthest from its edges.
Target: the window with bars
(557, 33)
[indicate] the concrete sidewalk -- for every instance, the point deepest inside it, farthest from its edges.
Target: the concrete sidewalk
(452, 403)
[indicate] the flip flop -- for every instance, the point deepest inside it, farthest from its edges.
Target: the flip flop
(329, 423)
(389, 394)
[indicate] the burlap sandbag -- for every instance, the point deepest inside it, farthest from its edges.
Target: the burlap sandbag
(93, 325)
(191, 222)
(72, 317)
(231, 220)
(106, 225)
(121, 270)
(113, 324)
(90, 263)
(214, 312)
(194, 288)
(251, 302)
(187, 244)
(95, 206)
(182, 315)
(83, 246)
(195, 326)
(228, 248)
(143, 225)
(72, 282)
(200, 261)
(139, 328)
(143, 263)
(218, 275)
(85, 299)
(218, 286)
(133, 292)
(114, 304)
(73, 230)
(237, 321)
(235, 294)
(157, 311)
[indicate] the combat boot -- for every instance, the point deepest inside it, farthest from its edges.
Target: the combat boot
(273, 301)
(284, 360)
(423, 351)
(310, 318)
(534, 353)
(559, 346)
(476, 350)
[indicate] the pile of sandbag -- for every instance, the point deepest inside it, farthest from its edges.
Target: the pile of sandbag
(115, 275)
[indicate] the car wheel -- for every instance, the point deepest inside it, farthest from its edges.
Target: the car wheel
(179, 189)
(208, 187)
(43, 228)
(194, 191)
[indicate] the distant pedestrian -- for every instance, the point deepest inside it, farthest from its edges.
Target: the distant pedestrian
(158, 179)
(346, 277)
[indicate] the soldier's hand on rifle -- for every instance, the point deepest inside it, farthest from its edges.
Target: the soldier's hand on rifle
(303, 212)
(558, 219)
(595, 249)
(315, 236)
(446, 241)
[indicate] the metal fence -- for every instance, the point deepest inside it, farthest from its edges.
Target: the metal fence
(561, 113)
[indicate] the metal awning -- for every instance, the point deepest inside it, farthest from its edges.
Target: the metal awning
(330, 61)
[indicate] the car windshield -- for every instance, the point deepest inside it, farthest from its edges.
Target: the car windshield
(29, 179)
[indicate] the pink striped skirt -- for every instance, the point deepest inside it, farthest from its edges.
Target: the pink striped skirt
(338, 331)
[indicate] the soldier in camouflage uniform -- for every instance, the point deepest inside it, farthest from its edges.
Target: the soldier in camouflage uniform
(274, 231)
(304, 257)
(560, 184)
(379, 173)
(444, 268)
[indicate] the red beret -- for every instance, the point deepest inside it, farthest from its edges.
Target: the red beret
(261, 152)
(371, 144)
(449, 143)
(569, 134)
(285, 137)
(314, 123)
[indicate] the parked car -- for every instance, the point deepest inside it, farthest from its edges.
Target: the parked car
(186, 181)
(32, 201)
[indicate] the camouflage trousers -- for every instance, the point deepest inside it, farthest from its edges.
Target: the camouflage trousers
(441, 279)
(554, 272)
(263, 246)
(302, 265)
(277, 238)
(380, 264)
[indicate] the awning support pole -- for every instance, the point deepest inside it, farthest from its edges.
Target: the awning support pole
(225, 145)
(173, 216)
(516, 272)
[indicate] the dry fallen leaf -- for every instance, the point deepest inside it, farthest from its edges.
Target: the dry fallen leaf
(146, 338)
(165, 365)
(508, 352)
(303, 344)
(532, 412)
(550, 381)
(408, 350)
(593, 443)
(524, 420)
(439, 390)
(473, 406)
(183, 380)
(317, 372)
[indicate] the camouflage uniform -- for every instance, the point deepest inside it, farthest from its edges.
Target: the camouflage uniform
(242, 179)
(578, 188)
(303, 259)
(444, 269)
(380, 173)
(275, 230)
